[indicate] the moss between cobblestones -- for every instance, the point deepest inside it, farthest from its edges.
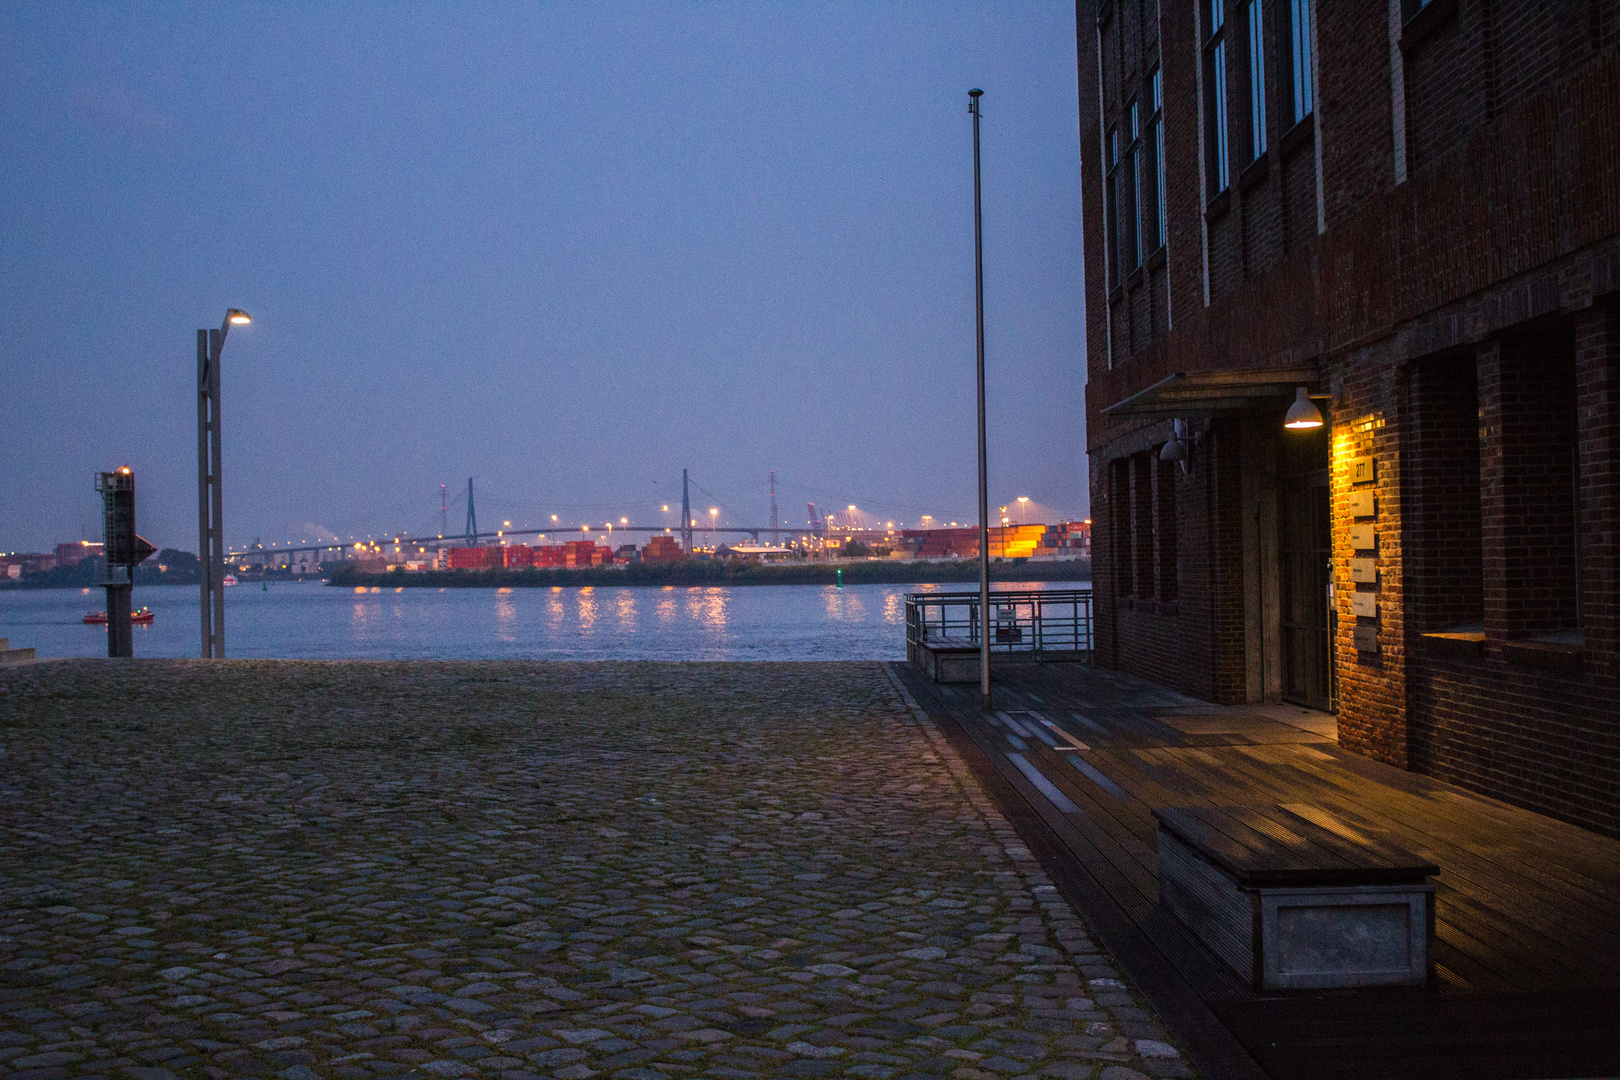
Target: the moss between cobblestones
(635, 870)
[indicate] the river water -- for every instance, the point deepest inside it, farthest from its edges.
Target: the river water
(292, 620)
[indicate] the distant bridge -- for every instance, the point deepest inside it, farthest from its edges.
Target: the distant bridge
(402, 542)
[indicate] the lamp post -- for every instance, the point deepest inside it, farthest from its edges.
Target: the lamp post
(1023, 509)
(984, 478)
(210, 496)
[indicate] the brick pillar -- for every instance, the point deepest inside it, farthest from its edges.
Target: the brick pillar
(1597, 392)
(1494, 584)
(1104, 577)
(1224, 499)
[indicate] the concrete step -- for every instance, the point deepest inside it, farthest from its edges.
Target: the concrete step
(11, 656)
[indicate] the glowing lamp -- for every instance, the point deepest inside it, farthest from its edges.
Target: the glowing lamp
(1302, 415)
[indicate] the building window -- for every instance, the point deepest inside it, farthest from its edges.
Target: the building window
(1156, 122)
(1257, 82)
(1299, 35)
(1115, 258)
(1215, 97)
(1133, 226)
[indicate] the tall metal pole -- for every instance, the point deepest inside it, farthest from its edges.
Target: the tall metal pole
(984, 476)
(210, 490)
(205, 562)
(216, 344)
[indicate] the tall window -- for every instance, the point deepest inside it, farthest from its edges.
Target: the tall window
(1299, 33)
(1118, 260)
(1156, 122)
(1257, 82)
(1133, 227)
(1215, 98)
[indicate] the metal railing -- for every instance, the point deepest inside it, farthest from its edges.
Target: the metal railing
(1045, 625)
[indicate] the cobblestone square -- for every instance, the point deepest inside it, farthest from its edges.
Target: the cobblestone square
(515, 870)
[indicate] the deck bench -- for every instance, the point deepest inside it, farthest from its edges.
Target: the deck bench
(1292, 905)
(946, 659)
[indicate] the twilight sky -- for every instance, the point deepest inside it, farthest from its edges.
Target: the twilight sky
(566, 249)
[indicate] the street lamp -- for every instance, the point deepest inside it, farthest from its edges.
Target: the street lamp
(210, 494)
(984, 471)
(714, 519)
(1023, 509)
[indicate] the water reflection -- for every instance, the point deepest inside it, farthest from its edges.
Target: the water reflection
(843, 605)
(505, 616)
(707, 607)
(797, 622)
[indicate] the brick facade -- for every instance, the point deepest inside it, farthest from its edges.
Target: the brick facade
(1438, 238)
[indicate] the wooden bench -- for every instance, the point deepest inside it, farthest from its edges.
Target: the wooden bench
(946, 659)
(1291, 905)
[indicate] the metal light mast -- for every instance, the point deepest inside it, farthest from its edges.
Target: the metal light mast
(472, 517)
(210, 493)
(984, 479)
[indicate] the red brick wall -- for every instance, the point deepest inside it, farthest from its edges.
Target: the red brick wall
(1597, 353)
(1508, 223)
(1527, 408)
(1371, 685)
(1443, 543)
(1536, 738)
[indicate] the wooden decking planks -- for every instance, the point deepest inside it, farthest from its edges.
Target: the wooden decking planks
(1527, 907)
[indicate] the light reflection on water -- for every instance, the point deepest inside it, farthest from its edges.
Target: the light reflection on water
(779, 622)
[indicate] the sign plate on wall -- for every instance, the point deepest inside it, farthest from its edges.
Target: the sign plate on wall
(1362, 503)
(1362, 470)
(1364, 605)
(1363, 537)
(1365, 570)
(1366, 638)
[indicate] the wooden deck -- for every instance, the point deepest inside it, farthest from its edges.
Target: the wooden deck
(1527, 935)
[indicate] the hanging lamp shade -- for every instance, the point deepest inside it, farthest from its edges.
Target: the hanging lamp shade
(1302, 414)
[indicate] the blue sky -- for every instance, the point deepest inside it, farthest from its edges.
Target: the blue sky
(566, 249)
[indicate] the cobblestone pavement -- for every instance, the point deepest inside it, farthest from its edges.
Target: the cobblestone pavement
(636, 870)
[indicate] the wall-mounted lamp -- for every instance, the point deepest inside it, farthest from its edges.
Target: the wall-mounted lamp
(1175, 449)
(1302, 415)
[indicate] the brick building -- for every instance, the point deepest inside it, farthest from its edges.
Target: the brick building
(1411, 210)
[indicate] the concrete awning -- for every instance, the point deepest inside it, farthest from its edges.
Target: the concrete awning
(1203, 393)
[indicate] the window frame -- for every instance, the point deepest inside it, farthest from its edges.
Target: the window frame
(1254, 18)
(1215, 98)
(1300, 50)
(1115, 260)
(1161, 232)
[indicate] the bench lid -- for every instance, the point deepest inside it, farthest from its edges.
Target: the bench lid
(1271, 846)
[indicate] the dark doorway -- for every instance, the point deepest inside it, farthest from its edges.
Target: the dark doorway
(1305, 551)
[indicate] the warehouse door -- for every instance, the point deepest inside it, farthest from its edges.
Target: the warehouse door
(1305, 556)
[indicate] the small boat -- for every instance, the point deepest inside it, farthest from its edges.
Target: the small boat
(230, 579)
(99, 618)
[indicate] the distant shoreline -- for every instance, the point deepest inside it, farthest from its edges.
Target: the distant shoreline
(709, 572)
